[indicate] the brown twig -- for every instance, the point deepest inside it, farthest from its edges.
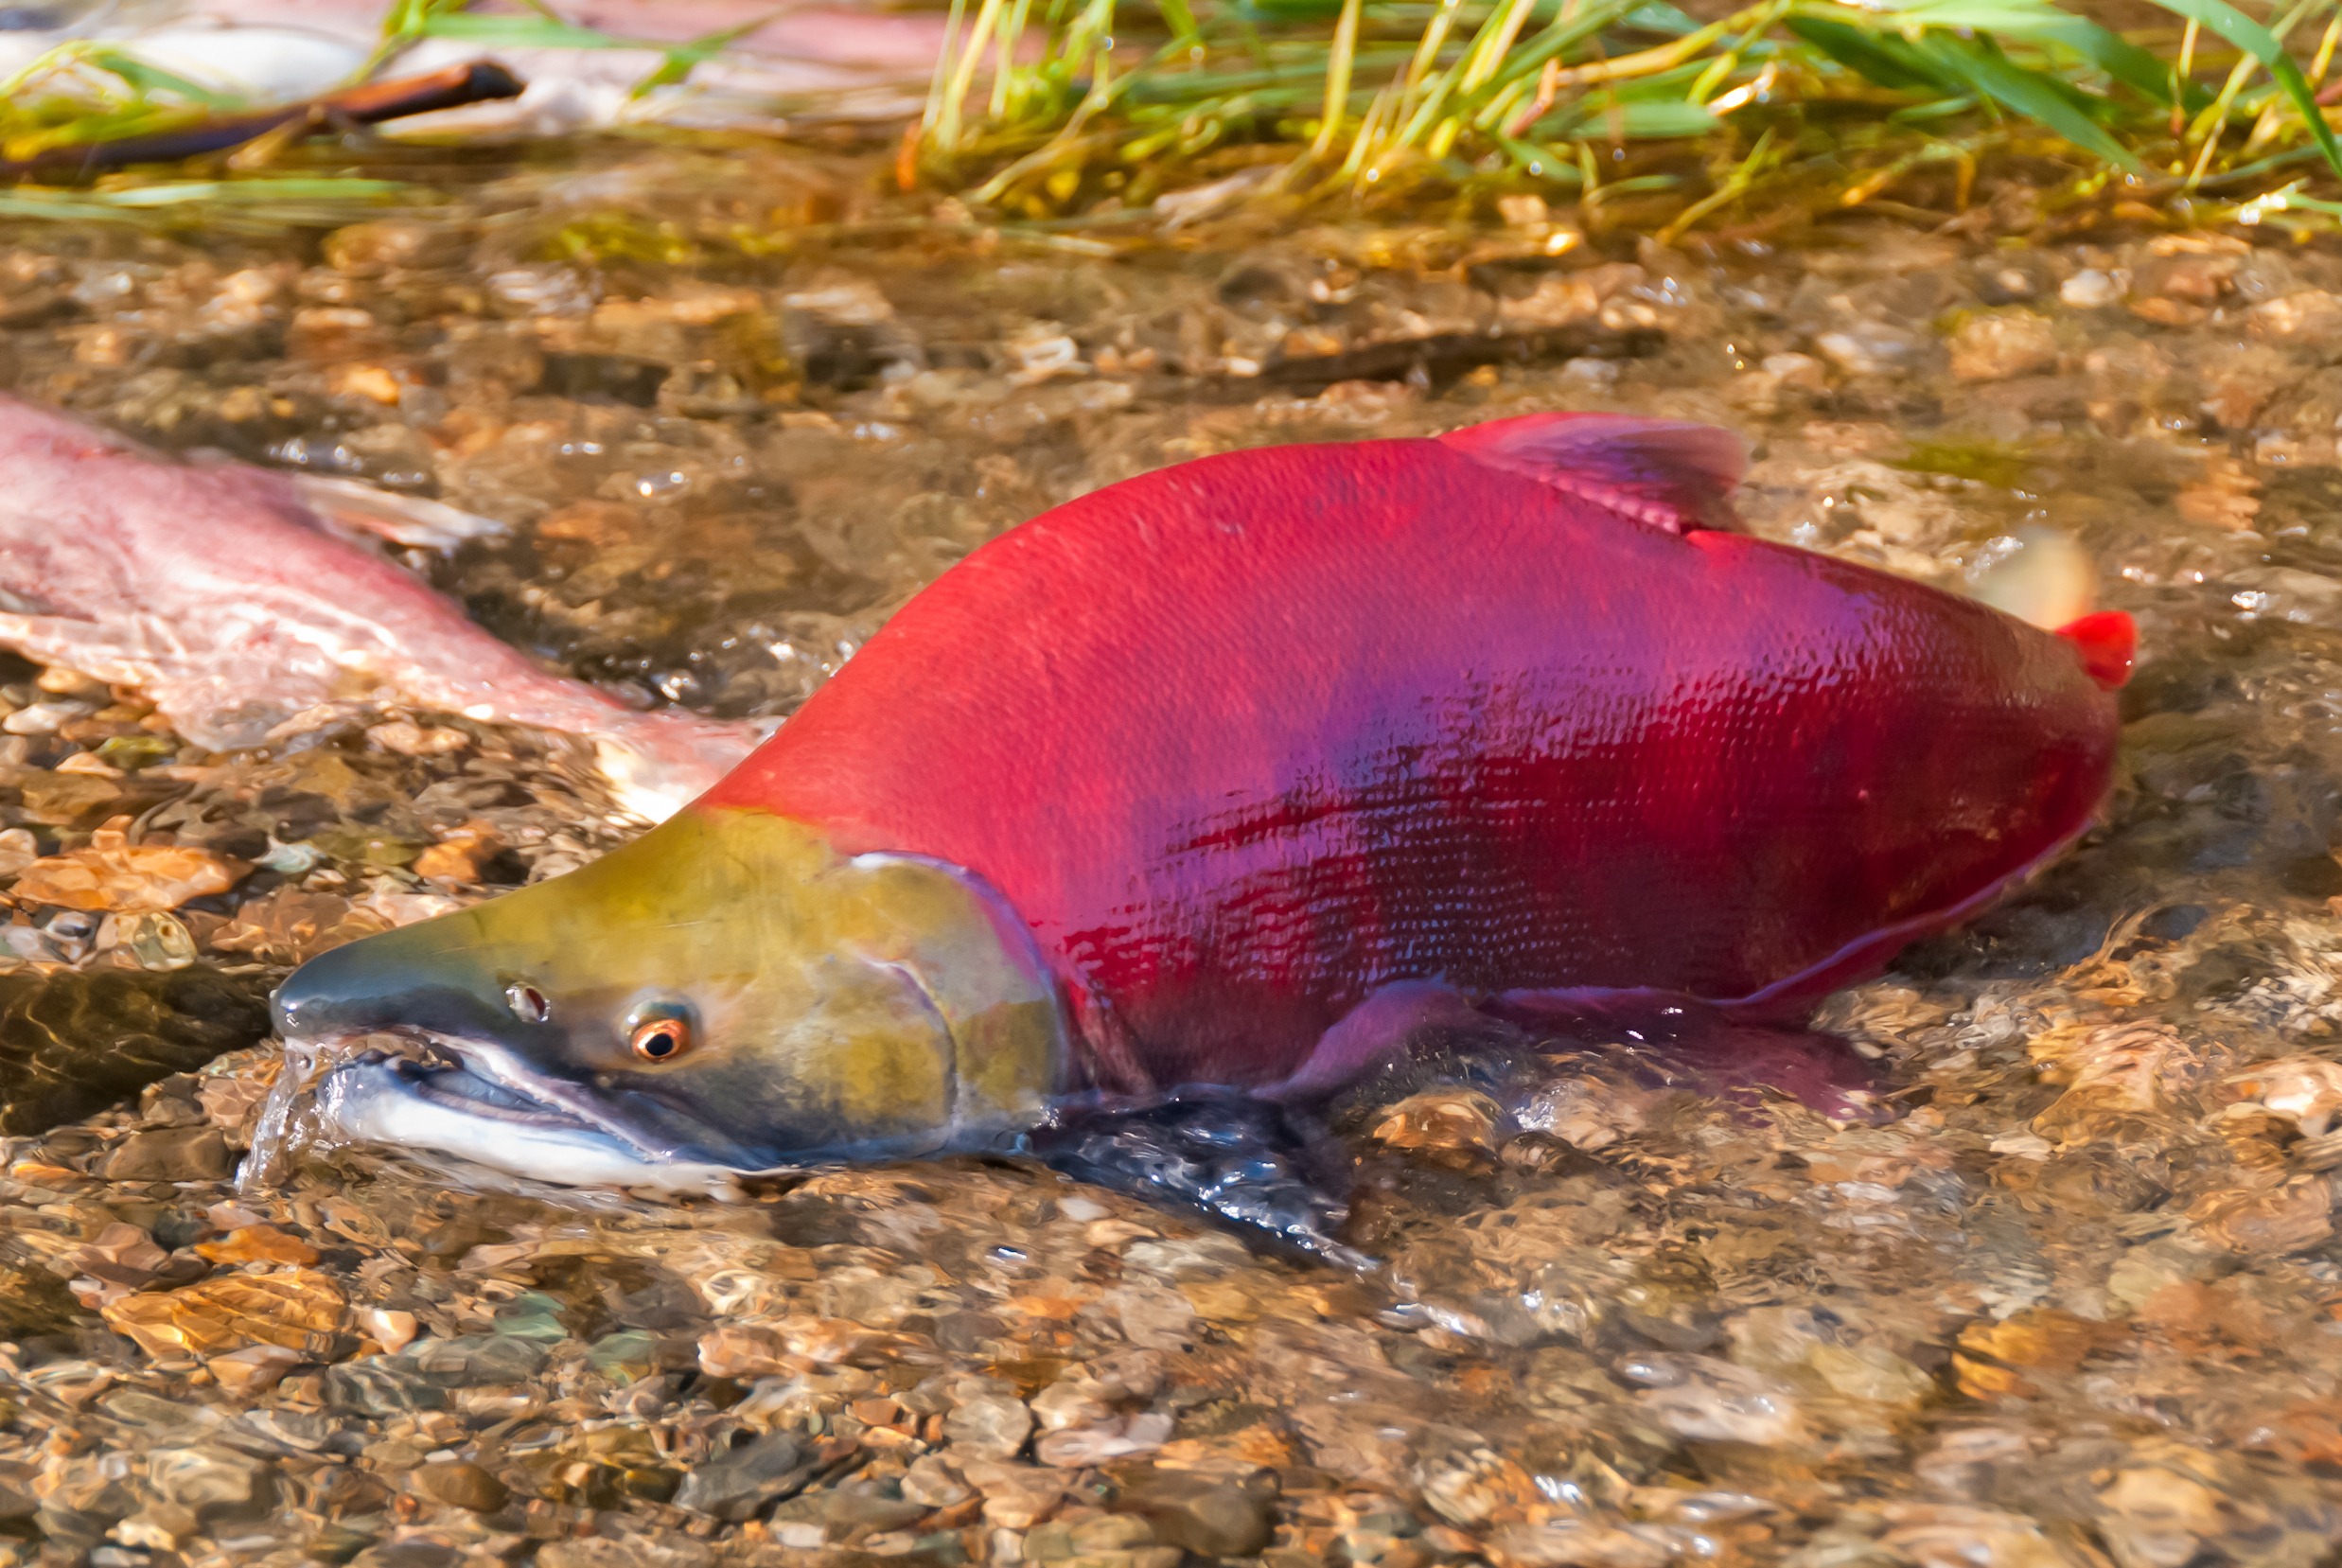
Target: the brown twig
(478, 82)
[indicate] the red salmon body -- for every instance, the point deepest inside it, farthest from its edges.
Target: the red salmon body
(1245, 740)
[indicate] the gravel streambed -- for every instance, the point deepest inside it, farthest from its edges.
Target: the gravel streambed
(2076, 1301)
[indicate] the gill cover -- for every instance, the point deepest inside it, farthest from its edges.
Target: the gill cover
(833, 1007)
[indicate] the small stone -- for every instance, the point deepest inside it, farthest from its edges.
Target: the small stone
(297, 1309)
(666, 1550)
(930, 1481)
(1709, 1400)
(2166, 311)
(2092, 290)
(60, 800)
(1449, 1126)
(378, 1388)
(171, 1155)
(740, 1483)
(229, 1101)
(1941, 1536)
(460, 856)
(1870, 1372)
(115, 874)
(411, 1553)
(212, 1483)
(254, 1369)
(1869, 348)
(460, 1484)
(2003, 345)
(2312, 319)
(475, 1359)
(1802, 370)
(258, 1245)
(392, 1330)
(1206, 1516)
(2287, 1219)
(368, 249)
(989, 1426)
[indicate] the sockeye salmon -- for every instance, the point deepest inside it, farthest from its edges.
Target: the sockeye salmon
(236, 599)
(1231, 774)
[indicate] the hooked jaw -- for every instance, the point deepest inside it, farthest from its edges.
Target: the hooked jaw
(724, 995)
(462, 1084)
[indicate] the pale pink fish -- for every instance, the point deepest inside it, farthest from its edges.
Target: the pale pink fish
(857, 61)
(234, 597)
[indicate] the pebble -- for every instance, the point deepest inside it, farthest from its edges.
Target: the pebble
(743, 1479)
(459, 1484)
(2092, 290)
(989, 1426)
(1200, 1514)
(2002, 343)
(171, 1155)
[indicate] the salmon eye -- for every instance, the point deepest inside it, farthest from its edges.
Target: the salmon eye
(660, 1039)
(528, 1004)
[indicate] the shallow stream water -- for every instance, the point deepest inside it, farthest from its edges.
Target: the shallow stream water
(2077, 1301)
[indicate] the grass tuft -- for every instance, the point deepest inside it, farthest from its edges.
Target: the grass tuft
(1812, 106)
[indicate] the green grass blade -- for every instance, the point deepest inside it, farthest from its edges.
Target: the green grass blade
(144, 78)
(2125, 61)
(1887, 62)
(2258, 42)
(2036, 98)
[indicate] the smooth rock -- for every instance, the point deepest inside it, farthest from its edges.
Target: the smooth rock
(740, 1483)
(171, 1155)
(1209, 1517)
(2004, 343)
(460, 1484)
(212, 1483)
(989, 1426)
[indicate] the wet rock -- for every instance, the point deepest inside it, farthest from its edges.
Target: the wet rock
(254, 1369)
(211, 1483)
(475, 1359)
(1209, 1517)
(1996, 346)
(1870, 348)
(989, 1426)
(379, 1387)
(1709, 1400)
(1453, 1127)
(2093, 290)
(745, 1479)
(2312, 319)
(1109, 1541)
(171, 1155)
(1937, 1536)
(2288, 1219)
(460, 1484)
(71, 1044)
(667, 1550)
(112, 873)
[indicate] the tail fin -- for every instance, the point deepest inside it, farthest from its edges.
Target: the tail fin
(2108, 643)
(2047, 580)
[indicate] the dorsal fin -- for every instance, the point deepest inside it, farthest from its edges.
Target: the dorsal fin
(1665, 472)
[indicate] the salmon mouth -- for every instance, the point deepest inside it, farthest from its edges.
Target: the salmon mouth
(471, 1101)
(460, 1089)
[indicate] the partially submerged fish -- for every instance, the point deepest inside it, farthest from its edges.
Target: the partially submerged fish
(235, 597)
(854, 60)
(1238, 774)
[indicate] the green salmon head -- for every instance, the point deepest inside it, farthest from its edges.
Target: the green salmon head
(727, 992)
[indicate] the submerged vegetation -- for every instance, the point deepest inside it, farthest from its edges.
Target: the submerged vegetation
(1782, 106)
